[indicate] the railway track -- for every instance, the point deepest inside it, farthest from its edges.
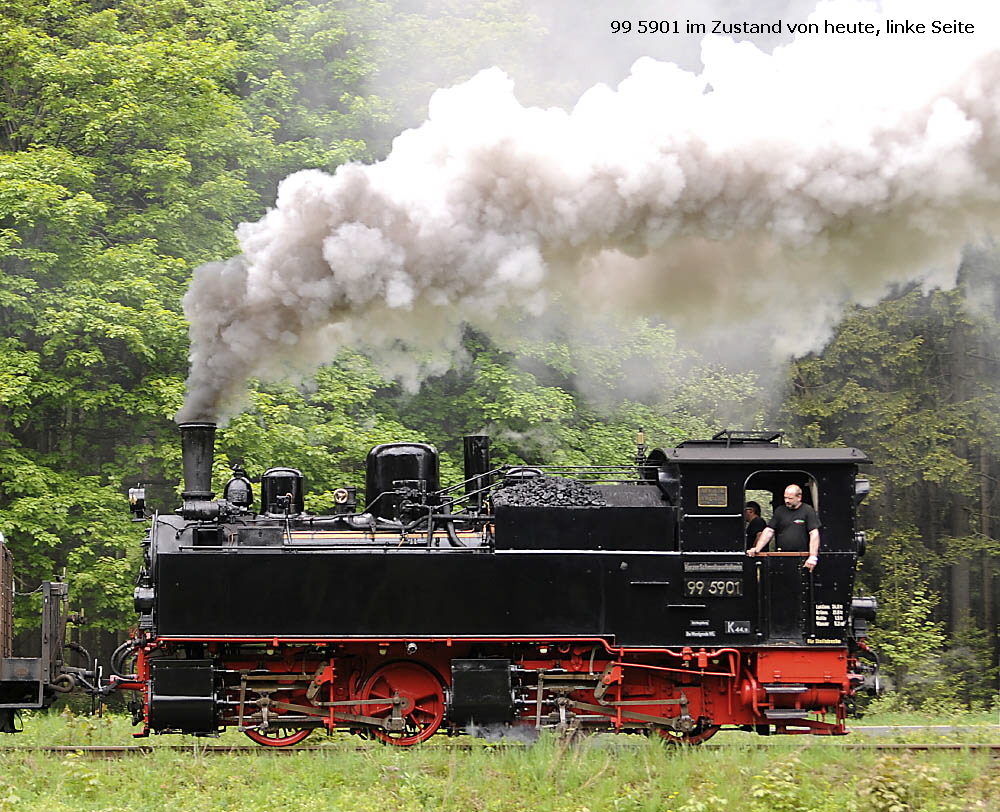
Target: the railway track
(125, 751)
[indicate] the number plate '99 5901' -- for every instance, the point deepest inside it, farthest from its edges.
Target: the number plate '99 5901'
(713, 587)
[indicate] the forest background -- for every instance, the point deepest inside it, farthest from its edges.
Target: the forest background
(135, 136)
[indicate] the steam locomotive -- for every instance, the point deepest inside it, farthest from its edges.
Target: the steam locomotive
(523, 598)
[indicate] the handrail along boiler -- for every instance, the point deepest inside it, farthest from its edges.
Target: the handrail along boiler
(523, 597)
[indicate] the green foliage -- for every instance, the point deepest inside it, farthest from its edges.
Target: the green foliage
(930, 670)
(913, 382)
(304, 80)
(134, 137)
(778, 789)
(906, 634)
(74, 520)
(901, 784)
(550, 776)
(123, 161)
(702, 800)
(883, 381)
(970, 667)
(9, 799)
(423, 45)
(326, 433)
(580, 400)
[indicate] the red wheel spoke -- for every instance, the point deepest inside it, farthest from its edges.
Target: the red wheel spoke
(421, 696)
(279, 737)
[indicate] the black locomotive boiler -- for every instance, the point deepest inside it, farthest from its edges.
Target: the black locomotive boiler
(524, 597)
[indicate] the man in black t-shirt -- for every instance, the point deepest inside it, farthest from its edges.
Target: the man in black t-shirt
(796, 526)
(755, 524)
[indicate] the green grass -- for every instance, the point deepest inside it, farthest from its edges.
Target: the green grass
(957, 717)
(745, 772)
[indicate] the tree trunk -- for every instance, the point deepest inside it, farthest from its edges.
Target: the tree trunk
(986, 529)
(961, 569)
(961, 572)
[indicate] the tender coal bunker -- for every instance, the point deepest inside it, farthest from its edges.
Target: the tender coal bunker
(549, 491)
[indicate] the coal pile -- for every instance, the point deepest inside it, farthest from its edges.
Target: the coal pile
(548, 491)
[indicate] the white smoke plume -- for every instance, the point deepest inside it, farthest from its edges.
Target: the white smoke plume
(768, 190)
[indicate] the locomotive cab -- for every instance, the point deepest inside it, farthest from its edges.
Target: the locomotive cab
(718, 477)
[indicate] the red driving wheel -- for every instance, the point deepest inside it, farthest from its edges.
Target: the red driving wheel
(279, 736)
(416, 691)
(701, 733)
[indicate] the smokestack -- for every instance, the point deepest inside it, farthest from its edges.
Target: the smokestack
(198, 452)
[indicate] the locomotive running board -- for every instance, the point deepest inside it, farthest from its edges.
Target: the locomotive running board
(785, 713)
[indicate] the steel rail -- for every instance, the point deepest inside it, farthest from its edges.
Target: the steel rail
(122, 751)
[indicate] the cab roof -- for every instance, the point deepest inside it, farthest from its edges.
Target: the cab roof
(767, 453)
